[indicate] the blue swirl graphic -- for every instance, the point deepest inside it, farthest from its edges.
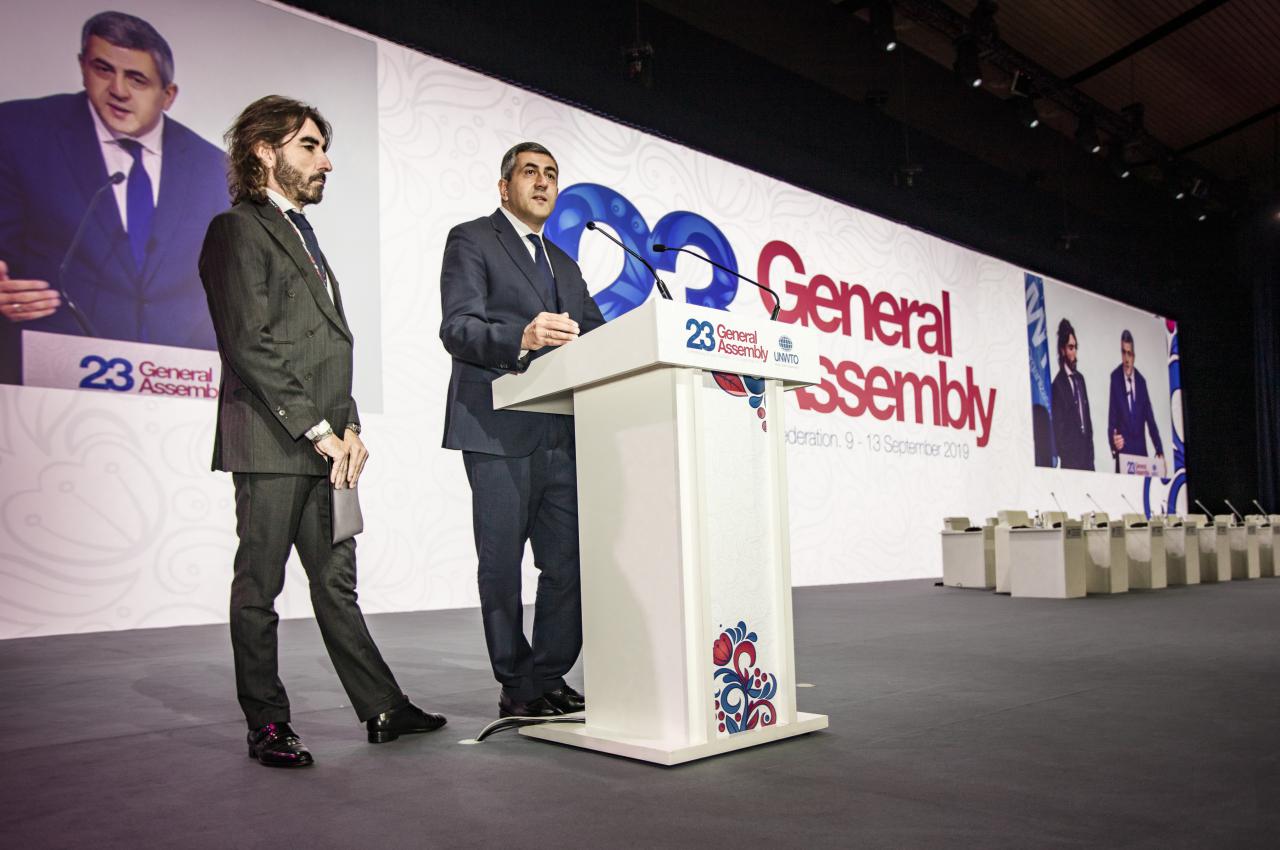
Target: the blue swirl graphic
(585, 202)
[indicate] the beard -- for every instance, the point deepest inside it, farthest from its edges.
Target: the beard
(298, 186)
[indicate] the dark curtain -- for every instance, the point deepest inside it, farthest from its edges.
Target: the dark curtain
(1261, 267)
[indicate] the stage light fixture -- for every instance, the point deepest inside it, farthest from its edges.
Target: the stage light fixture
(966, 63)
(1087, 134)
(1027, 114)
(1116, 161)
(882, 30)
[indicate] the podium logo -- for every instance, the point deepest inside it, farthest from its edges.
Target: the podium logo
(783, 355)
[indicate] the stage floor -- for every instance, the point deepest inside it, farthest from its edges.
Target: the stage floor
(958, 719)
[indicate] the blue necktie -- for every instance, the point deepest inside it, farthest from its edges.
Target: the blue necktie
(309, 237)
(544, 270)
(140, 205)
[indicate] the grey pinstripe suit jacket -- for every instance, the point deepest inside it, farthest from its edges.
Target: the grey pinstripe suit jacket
(286, 348)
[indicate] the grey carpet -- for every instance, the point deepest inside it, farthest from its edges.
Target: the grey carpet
(958, 719)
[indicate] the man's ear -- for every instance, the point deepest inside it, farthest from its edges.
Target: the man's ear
(502, 189)
(266, 154)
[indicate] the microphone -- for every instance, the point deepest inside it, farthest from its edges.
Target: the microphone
(81, 319)
(1259, 506)
(777, 302)
(1059, 504)
(662, 287)
(1095, 503)
(1207, 512)
(1130, 504)
(1233, 509)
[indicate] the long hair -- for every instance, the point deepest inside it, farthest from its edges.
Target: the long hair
(271, 120)
(1065, 332)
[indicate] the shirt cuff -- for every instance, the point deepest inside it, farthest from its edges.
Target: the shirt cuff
(318, 429)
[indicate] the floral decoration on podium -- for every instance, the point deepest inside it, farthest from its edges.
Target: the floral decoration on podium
(744, 700)
(750, 388)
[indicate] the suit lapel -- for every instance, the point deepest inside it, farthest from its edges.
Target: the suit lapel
(79, 141)
(282, 231)
(175, 185)
(515, 248)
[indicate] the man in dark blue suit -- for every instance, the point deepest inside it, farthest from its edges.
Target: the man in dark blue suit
(1130, 413)
(133, 274)
(508, 296)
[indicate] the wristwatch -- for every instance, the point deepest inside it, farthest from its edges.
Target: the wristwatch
(354, 426)
(327, 432)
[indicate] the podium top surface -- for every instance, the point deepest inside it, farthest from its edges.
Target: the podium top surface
(659, 334)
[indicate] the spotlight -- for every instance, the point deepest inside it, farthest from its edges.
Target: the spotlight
(1026, 109)
(1116, 161)
(906, 174)
(966, 65)
(1087, 134)
(882, 31)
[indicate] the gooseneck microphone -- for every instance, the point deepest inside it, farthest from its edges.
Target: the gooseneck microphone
(1259, 506)
(1207, 512)
(1053, 496)
(777, 302)
(81, 319)
(1233, 509)
(662, 287)
(1095, 503)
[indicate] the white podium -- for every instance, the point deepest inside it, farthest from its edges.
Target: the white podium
(1258, 546)
(1046, 563)
(1006, 520)
(1106, 555)
(1237, 545)
(683, 529)
(968, 557)
(1181, 551)
(1215, 556)
(1144, 545)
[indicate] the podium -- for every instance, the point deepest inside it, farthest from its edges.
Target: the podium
(1144, 545)
(682, 515)
(968, 557)
(1008, 520)
(1215, 556)
(1258, 546)
(1182, 552)
(1106, 554)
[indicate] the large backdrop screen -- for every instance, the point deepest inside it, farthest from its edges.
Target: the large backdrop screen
(110, 518)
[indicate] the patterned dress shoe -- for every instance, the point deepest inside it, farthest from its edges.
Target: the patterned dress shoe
(277, 745)
(566, 699)
(536, 707)
(408, 719)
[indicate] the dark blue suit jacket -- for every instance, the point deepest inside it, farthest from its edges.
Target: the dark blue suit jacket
(50, 166)
(1132, 426)
(488, 295)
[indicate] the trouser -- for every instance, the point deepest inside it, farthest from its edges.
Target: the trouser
(274, 513)
(534, 499)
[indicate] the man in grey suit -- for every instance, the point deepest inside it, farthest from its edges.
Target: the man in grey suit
(286, 354)
(509, 296)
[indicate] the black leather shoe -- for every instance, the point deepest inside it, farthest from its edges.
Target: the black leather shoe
(277, 745)
(566, 699)
(408, 719)
(536, 707)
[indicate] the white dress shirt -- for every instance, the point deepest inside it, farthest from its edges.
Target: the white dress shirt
(523, 231)
(118, 159)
